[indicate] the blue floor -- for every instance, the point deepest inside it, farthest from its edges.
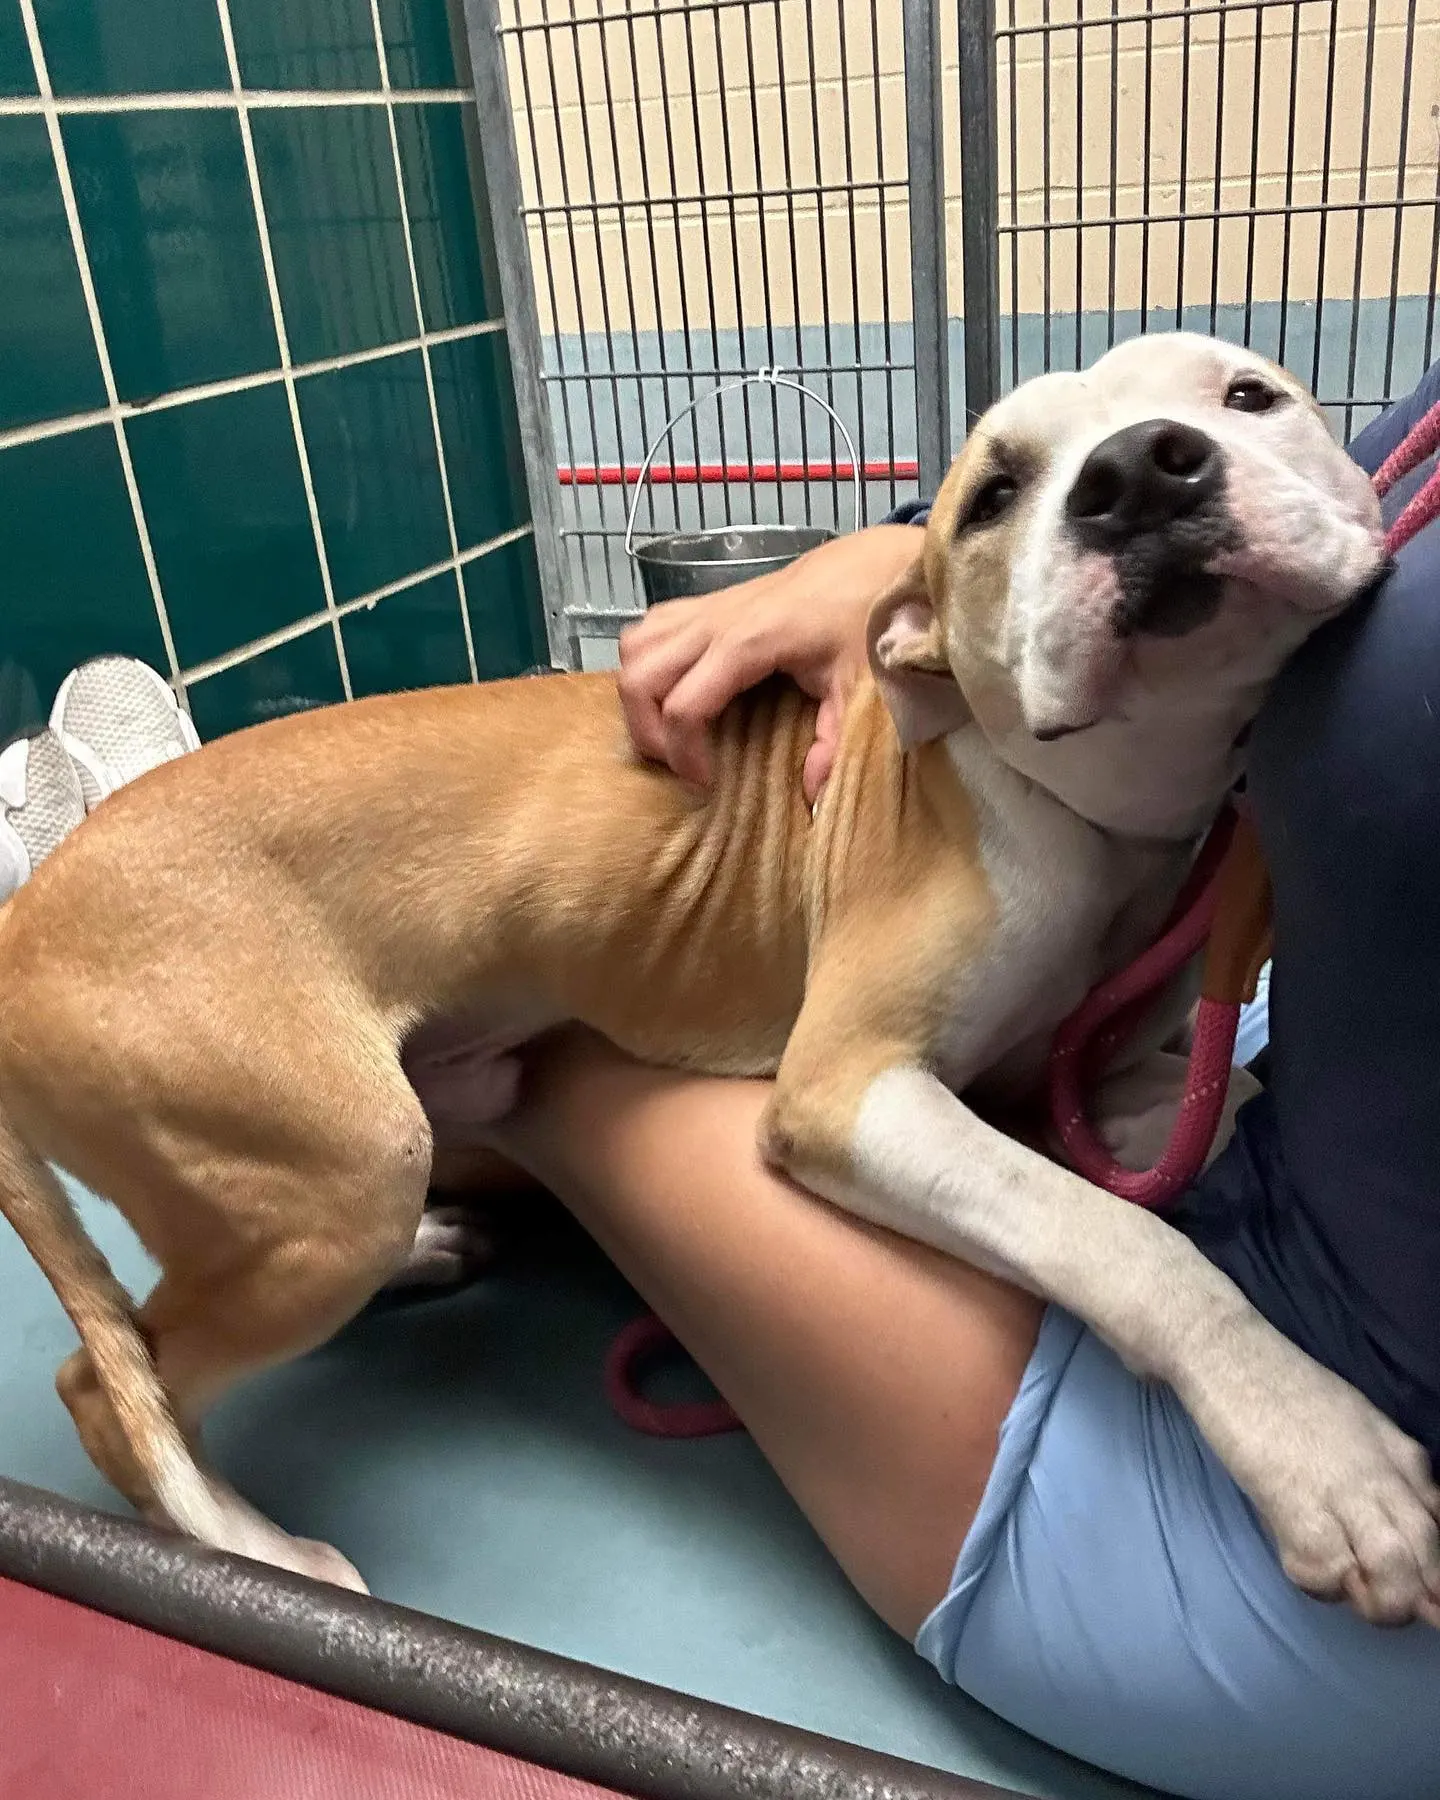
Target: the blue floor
(461, 1454)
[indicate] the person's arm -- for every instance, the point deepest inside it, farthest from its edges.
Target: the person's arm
(683, 664)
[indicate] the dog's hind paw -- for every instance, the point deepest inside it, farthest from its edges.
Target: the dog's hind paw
(453, 1245)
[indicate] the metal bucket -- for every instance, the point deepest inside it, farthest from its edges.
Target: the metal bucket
(702, 562)
(685, 563)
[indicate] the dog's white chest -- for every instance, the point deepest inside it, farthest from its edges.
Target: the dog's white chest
(1058, 884)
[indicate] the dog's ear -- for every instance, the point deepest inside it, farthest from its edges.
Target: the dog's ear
(907, 657)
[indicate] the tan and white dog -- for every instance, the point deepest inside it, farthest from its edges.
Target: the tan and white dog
(205, 993)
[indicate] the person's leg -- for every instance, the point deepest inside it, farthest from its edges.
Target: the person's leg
(873, 1373)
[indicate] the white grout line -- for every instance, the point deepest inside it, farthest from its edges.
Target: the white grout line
(232, 659)
(287, 372)
(236, 384)
(261, 99)
(97, 328)
(440, 457)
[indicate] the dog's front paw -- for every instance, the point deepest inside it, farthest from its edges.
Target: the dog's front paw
(1367, 1535)
(1137, 1109)
(1349, 1498)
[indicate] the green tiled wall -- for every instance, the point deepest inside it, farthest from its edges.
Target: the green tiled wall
(256, 416)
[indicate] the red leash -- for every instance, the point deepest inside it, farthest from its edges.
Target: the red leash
(1087, 1040)
(1223, 906)
(636, 1346)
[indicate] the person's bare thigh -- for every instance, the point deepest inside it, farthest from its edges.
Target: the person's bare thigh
(873, 1373)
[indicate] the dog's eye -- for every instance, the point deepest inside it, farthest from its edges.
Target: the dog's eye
(1246, 394)
(993, 499)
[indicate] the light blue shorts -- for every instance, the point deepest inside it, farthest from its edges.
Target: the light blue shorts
(1118, 1598)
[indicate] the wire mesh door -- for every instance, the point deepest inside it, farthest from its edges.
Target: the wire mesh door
(713, 187)
(1264, 169)
(689, 190)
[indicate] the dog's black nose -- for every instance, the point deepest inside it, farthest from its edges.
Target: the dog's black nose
(1142, 479)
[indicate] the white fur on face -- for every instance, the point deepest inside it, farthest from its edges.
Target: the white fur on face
(1305, 534)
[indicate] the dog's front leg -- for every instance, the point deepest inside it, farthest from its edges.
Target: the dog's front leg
(1348, 1497)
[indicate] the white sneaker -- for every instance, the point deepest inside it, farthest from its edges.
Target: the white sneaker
(118, 718)
(40, 803)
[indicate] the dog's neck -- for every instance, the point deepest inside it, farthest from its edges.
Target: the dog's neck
(1160, 774)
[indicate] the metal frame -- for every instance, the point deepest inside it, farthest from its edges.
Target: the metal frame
(980, 197)
(624, 1734)
(517, 292)
(929, 260)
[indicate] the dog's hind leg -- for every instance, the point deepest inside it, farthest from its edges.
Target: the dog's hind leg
(308, 1231)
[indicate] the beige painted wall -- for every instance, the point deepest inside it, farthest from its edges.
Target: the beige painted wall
(753, 100)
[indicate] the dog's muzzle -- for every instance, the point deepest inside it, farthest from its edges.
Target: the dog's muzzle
(1152, 497)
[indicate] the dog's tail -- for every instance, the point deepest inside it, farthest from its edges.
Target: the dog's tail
(103, 1313)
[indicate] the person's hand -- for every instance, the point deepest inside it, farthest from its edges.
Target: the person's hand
(684, 662)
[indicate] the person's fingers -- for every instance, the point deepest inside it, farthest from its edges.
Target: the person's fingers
(658, 625)
(646, 679)
(820, 758)
(726, 670)
(828, 720)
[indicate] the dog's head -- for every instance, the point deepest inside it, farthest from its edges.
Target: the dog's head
(1125, 554)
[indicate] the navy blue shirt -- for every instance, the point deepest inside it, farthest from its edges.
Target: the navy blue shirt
(1325, 1210)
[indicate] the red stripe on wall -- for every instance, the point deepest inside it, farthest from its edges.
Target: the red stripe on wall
(703, 474)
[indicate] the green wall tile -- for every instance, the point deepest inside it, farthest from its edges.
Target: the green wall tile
(413, 639)
(454, 260)
(377, 479)
(48, 365)
(295, 677)
(419, 43)
(74, 580)
(502, 594)
(328, 178)
(305, 44)
(131, 46)
(165, 206)
(17, 71)
(225, 504)
(475, 403)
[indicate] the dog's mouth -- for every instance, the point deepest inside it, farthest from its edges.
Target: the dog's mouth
(1052, 734)
(1165, 586)
(1168, 582)
(1168, 604)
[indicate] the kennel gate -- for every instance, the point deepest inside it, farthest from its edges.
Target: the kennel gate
(911, 208)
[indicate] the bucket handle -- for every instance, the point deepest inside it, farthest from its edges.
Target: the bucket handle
(772, 378)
